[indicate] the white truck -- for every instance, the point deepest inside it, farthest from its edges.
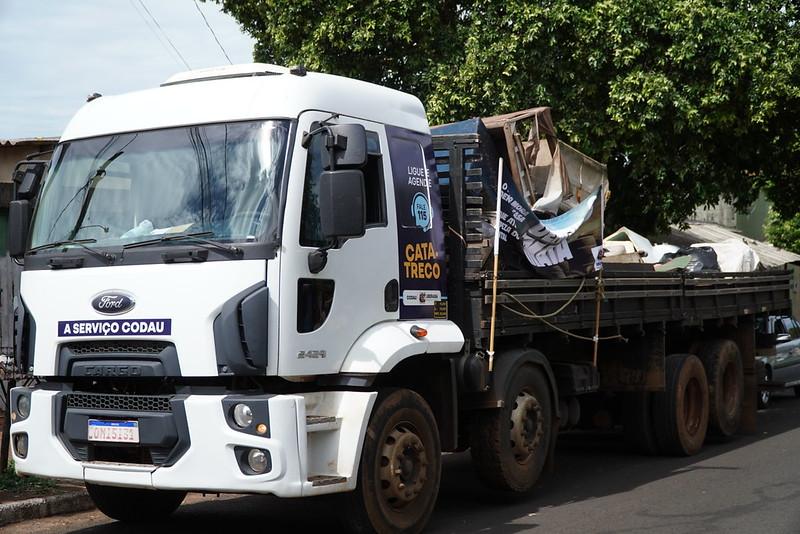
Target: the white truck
(250, 280)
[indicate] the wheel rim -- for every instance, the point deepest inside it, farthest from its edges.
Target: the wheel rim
(730, 390)
(527, 427)
(692, 406)
(404, 466)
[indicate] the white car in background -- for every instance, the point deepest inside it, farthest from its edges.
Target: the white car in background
(781, 366)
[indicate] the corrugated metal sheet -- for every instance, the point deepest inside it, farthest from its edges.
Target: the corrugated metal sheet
(700, 232)
(28, 141)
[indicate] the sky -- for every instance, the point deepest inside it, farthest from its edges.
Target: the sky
(53, 53)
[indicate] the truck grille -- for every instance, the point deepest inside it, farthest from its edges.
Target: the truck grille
(134, 403)
(117, 347)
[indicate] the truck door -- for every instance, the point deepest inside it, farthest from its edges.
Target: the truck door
(323, 314)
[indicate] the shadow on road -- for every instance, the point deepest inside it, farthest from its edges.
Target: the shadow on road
(587, 466)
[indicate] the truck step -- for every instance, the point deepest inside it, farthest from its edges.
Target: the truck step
(322, 423)
(326, 480)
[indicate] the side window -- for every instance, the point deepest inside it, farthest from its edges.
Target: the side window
(779, 327)
(787, 325)
(794, 329)
(375, 199)
(373, 183)
(310, 229)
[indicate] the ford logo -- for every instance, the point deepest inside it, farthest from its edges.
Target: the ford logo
(113, 302)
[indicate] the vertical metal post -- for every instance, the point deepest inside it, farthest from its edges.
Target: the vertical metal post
(598, 299)
(496, 263)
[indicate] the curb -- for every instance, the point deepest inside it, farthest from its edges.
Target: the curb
(39, 507)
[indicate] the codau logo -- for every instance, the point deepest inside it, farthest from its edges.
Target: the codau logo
(113, 302)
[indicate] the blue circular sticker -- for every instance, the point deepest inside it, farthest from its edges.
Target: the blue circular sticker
(421, 210)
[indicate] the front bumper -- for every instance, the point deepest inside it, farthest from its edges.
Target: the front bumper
(209, 461)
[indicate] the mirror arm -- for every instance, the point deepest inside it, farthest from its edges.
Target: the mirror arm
(318, 259)
(322, 125)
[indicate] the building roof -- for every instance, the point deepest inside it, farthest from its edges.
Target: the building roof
(231, 94)
(23, 141)
(703, 232)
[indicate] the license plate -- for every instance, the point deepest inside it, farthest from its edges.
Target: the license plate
(114, 431)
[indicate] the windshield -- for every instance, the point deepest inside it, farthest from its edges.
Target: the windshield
(120, 189)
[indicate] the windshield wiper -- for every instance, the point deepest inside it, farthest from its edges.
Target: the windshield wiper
(196, 237)
(105, 256)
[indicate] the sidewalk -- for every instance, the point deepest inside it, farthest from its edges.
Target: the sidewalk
(64, 502)
(24, 498)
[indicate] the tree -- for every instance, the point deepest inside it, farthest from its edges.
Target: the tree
(783, 233)
(686, 100)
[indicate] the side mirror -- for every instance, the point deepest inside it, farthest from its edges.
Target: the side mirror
(27, 178)
(783, 338)
(347, 145)
(341, 204)
(19, 220)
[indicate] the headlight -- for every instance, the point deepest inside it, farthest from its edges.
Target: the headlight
(257, 460)
(242, 415)
(23, 406)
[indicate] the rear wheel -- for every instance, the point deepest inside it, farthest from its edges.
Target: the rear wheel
(510, 445)
(133, 505)
(680, 413)
(723, 366)
(400, 468)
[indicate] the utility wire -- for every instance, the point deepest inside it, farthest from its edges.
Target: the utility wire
(152, 29)
(212, 31)
(165, 35)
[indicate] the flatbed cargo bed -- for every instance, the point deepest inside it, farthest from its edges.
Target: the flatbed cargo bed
(633, 298)
(627, 298)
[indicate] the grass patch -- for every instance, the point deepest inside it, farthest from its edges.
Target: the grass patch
(10, 481)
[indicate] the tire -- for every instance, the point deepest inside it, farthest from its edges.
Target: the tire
(402, 436)
(796, 391)
(638, 422)
(764, 395)
(134, 505)
(723, 365)
(680, 413)
(510, 445)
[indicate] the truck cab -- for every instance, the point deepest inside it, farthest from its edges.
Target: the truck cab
(216, 271)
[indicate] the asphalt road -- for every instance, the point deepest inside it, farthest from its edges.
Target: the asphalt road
(750, 484)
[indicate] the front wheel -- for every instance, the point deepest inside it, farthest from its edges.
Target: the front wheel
(400, 468)
(764, 395)
(133, 505)
(763, 399)
(510, 445)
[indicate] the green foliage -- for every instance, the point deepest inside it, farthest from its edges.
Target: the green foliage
(686, 100)
(10, 481)
(783, 233)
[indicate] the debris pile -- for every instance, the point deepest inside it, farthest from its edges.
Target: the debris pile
(553, 196)
(627, 247)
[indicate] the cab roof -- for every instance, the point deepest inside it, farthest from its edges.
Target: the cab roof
(244, 92)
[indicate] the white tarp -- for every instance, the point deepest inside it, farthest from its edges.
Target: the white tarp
(733, 256)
